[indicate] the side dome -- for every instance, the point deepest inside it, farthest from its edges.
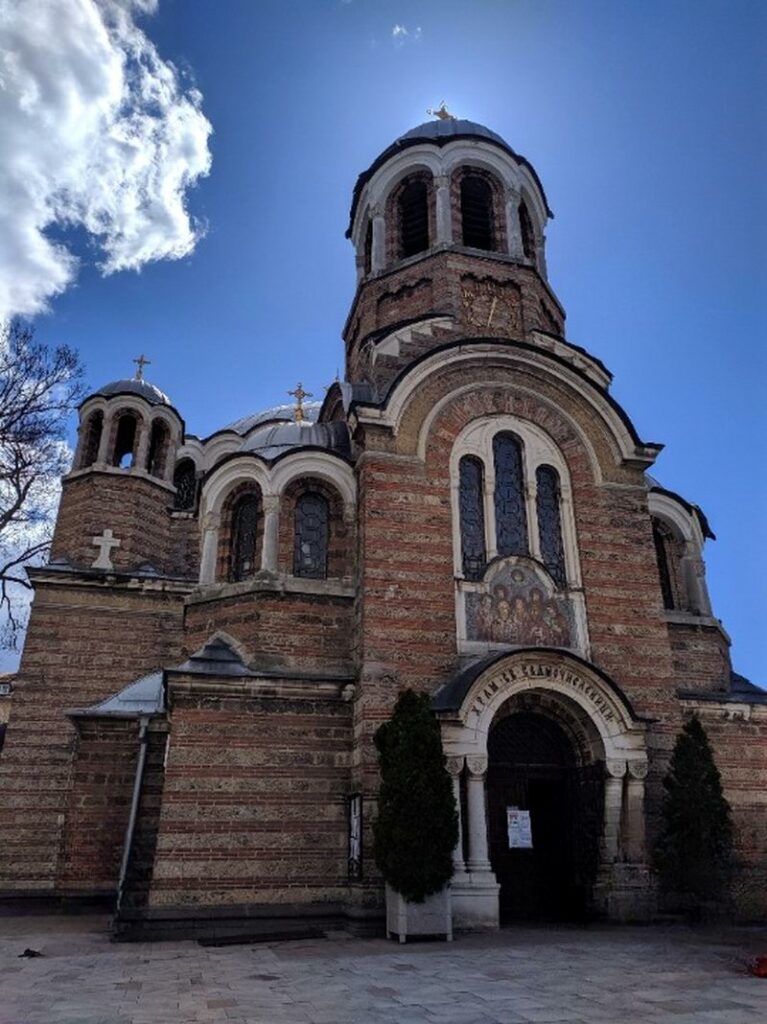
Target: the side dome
(143, 388)
(276, 439)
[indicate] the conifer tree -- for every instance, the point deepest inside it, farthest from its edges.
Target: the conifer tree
(417, 826)
(693, 855)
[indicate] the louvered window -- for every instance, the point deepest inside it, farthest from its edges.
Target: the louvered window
(414, 218)
(310, 551)
(472, 518)
(510, 513)
(477, 213)
(550, 522)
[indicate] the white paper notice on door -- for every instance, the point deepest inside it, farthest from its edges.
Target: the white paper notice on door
(519, 828)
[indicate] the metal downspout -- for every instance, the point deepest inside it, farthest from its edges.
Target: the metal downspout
(143, 738)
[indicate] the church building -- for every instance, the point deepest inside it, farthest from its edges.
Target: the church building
(224, 622)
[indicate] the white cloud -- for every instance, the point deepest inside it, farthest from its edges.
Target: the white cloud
(401, 35)
(98, 132)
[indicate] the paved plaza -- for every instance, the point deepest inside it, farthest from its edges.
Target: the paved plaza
(604, 974)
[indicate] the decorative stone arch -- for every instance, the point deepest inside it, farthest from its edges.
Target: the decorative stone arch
(118, 438)
(691, 592)
(217, 489)
(392, 214)
(92, 428)
(603, 729)
(490, 175)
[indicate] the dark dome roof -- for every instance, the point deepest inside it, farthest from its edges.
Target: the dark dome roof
(439, 133)
(277, 413)
(276, 439)
(143, 388)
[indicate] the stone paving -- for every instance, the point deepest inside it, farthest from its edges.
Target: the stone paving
(598, 975)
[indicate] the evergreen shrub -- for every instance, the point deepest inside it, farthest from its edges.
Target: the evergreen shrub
(693, 854)
(417, 826)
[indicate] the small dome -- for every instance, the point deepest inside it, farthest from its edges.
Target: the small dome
(277, 413)
(276, 439)
(142, 388)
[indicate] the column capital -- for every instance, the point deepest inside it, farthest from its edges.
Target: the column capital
(477, 764)
(615, 768)
(211, 521)
(270, 503)
(638, 769)
(454, 764)
(441, 181)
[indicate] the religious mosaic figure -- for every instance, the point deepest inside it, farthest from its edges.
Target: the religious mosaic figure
(516, 608)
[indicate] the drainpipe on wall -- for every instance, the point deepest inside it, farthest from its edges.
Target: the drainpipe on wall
(143, 739)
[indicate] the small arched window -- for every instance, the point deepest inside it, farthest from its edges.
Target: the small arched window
(414, 218)
(245, 515)
(185, 482)
(526, 230)
(549, 515)
(158, 448)
(510, 513)
(92, 439)
(367, 252)
(477, 212)
(125, 441)
(310, 548)
(667, 556)
(472, 518)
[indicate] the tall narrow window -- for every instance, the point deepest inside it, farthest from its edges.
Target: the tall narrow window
(510, 512)
(125, 441)
(244, 533)
(92, 439)
(414, 218)
(472, 517)
(158, 448)
(185, 482)
(477, 212)
(310, 549)
(668, 568)
(526, 230)
(368, 249)
(550, 522)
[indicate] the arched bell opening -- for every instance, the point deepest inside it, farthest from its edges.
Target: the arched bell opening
(545, 810)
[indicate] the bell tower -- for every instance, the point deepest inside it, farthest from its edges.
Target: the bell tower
(448, 230)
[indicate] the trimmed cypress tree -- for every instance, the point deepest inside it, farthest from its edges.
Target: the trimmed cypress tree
(417, 826)
(693, 854)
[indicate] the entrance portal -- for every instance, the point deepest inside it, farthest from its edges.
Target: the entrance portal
(546, 872)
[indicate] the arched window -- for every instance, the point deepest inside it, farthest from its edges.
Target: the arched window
(310, 547)
(667, 555)
(526, 230)
(368, 249)
(125, 441)
(158, 448)
(92, 439)
(185, 482)
(472, 517)
(414, 218)
(550, 522)
(477, 212)
(510, 513)
(245, 514)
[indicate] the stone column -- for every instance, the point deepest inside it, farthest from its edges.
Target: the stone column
(491, 536)
(613, 810)
(210, 526)
(513, 232)
(478, 853)
(635, 822)
(269, 550)
(454, 767)
(444, 213)
(106, 437)
(378, 252)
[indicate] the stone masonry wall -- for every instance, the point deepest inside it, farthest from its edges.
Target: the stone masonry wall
(84, 643)
(255, 802)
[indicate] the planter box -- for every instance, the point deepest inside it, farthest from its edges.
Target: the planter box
(433, 917)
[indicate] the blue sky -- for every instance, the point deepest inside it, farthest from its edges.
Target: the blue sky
(645, 122)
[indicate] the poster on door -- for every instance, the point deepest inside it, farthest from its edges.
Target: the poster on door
(519, 829)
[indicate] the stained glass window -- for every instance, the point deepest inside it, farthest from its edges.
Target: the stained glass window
(244, 530)
(472, 518)
(477, 213)
(510, 512)
(310, 551)
(414, 218)
(185, 482)
(550, 522)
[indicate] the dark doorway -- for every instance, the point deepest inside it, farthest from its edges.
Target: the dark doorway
(532, 767)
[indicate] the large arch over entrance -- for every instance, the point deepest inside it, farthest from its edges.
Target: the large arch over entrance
(544, 731)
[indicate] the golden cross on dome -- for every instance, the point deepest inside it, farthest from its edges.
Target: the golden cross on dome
(141, 362)
(299, 394)
(442, 113)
